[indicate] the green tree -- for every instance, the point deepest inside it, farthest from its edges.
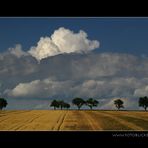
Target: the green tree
(119, 104)
(92, 103)
(79, 102)
(55, 104)
(143, 102)
(61, 104)
(3, 103)
(66, 105)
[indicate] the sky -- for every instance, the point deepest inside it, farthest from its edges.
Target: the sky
(42, 59)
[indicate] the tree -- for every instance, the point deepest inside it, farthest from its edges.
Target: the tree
(119, 103)
(91, 103)
(3, 103)
(66, 105)
(55, 104)
(143, 102)
(61, 104)
(79, 102)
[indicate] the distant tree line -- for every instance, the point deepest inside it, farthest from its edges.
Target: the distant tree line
(79, 102)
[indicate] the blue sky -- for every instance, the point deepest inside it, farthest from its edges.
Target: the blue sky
(128, 35)
(35, 70)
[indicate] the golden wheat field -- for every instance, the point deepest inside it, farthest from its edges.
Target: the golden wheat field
(72, 120)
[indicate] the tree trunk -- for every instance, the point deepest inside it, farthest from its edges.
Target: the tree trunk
(145, 108)
(54, 108)
(78, 108)
(91, 107)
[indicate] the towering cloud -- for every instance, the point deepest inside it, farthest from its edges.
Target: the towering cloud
(63, 41)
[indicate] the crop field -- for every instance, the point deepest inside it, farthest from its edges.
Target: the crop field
(72, 120)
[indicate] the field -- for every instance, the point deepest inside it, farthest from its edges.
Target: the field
(73, 120)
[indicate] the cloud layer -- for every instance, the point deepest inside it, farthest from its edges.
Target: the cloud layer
(63, 41)
(104, 76)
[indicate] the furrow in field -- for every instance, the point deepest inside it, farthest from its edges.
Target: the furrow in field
(12, 120)
(8, 113)
(77, 120)
(60, 121)
(105, 122)
(92, 122)
(70, 121)
(46, 121)
(123, 122)
(27, 122)
(22, 119)
(142, 116)
(82, 124)
(131, 117)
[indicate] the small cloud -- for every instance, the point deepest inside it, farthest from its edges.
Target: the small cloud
(17, 51)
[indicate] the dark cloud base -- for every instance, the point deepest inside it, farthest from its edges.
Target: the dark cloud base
(65, 76)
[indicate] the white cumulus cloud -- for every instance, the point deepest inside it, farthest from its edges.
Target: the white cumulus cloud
(63, 41)
(22, 89)
(40, 88)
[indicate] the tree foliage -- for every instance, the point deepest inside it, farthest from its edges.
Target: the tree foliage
(143, 102)
(119, 103)
(55, 104)
(3, 103)
(92, 103)
(79, 102)
(59, 104)
(66, 105)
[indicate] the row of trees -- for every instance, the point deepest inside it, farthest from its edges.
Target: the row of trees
(79, 102)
